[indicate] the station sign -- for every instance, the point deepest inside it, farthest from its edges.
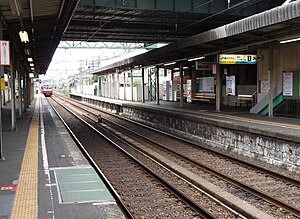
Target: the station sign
(4, 53)
(232, 59)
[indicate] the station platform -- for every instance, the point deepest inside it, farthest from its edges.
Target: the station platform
(285, 127)
(44, 174)
(270, 142)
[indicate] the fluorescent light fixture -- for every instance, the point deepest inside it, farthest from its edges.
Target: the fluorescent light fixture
(198, 58)
(23, 36)
(31, 64)
(31, 75)
(170, 63)
(32, 69)
(290, 40)
(30, 59)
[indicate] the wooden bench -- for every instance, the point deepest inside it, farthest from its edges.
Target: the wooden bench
(178, 96)
(204, 97)
(201, 97)
(246, 99)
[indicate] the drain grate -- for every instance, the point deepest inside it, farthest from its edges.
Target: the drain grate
(77, 185)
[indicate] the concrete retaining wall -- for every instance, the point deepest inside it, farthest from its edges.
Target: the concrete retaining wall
(273, 148)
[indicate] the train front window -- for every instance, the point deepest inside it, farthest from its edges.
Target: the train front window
(47, 87)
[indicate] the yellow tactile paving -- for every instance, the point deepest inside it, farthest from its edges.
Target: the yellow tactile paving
(26, 199)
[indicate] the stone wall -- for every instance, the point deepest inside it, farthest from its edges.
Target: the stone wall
(262, 145)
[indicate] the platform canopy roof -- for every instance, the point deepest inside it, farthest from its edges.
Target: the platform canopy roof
(156, 21)
(43, 20)
(246, 35)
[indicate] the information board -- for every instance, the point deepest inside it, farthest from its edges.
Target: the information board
(287, 84)
(230, 85)
(232, 59)
(205, 84)
(4, 52)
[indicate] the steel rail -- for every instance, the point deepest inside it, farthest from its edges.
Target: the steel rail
(294, 210)
(259, 168)
(200, 210)
(114, 193)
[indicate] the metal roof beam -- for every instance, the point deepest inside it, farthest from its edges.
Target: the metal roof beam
(227, 33)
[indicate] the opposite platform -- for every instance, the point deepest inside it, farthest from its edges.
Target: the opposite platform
(274, 141)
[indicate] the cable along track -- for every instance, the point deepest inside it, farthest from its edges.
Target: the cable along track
(257, 182)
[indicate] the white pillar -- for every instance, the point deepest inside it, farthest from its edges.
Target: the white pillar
(157, 85)
(124, 85)
(181, 85)
(270, 77)
(143, 85)
(118, 84)
(131, 82)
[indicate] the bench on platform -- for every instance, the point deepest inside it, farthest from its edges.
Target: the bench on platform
(246, 99)
(204, 97)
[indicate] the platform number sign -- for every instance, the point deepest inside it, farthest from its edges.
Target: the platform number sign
(4, 53)
(238, 59)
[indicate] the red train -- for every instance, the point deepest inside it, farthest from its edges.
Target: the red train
(47, 90)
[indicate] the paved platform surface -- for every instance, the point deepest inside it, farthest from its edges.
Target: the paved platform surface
(280, 127)
(65, 178)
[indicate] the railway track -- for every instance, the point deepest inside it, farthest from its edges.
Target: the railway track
(275, 194)
(143, 193)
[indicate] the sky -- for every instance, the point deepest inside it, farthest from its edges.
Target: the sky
(67, 62)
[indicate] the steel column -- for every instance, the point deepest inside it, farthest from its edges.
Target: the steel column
(1, 76)
(270, 77)
(19, 86)
(218, 88)
(13, 88)
(124, 84)
(131, 81)
(118, 84)
(143, 85)
(25, 89)
(181, 85)
(157, 85)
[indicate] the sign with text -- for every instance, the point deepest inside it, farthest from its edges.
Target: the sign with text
(230, 85)
(231, 59)
(4, 52)
(287, 84)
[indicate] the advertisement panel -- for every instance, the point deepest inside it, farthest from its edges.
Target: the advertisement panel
(287, 84)
(230, 85)
(205, 84)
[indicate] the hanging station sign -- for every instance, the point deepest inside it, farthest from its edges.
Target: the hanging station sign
(4, 52)
(232, 59)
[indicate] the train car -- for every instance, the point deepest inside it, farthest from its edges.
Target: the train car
(47, 90)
